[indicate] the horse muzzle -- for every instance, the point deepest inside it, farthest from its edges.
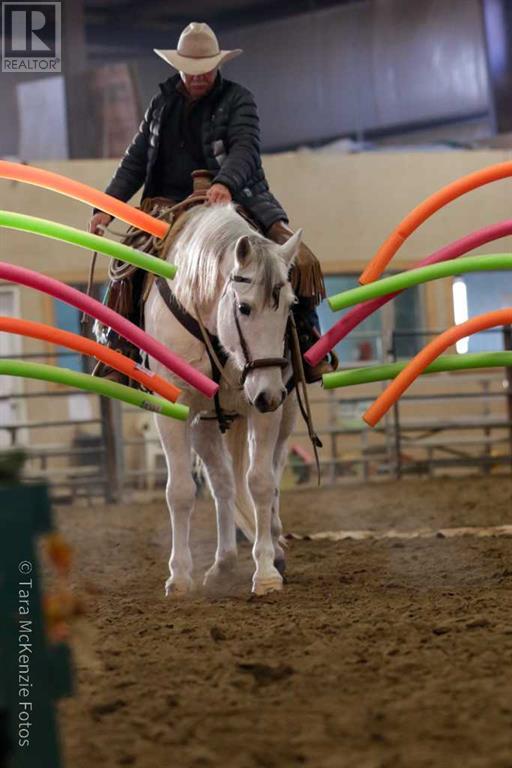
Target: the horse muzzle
(266, 401)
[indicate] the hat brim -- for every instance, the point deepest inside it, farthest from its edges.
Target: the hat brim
(196, 66)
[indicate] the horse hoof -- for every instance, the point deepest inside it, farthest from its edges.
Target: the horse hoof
(262, 587)
(178, 587)
(215, 578)
(221, 573)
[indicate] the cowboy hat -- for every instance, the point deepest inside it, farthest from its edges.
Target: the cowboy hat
(198, 51)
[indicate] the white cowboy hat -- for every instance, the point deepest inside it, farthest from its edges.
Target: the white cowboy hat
(198, 51)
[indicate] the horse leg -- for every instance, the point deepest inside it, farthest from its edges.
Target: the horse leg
(209, 444)
(180, 495)
(280, 454)
(262, 484)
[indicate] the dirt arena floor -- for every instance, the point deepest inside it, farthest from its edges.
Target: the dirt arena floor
(393, 653)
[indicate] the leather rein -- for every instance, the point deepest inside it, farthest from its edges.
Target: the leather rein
(218, 359)
(252, 364)
(216, 353)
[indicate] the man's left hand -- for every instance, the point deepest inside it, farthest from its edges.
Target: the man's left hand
(218, 193)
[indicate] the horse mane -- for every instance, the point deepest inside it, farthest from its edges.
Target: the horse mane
(199, 251)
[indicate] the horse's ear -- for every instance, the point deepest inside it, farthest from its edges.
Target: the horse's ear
(242, 250)
(290, 249)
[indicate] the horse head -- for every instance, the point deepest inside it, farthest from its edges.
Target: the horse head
(253, 314)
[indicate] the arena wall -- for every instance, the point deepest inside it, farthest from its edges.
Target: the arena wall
(347, 204)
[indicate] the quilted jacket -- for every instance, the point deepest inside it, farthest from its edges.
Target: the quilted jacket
(231, 147)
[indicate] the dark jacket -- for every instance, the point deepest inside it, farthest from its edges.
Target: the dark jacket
(231, 148)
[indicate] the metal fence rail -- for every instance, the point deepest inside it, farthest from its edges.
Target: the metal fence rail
(104, 456)
(74, 457)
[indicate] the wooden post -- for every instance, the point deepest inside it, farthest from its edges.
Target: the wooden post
(507, 346)
(81, 130)
(111, 429)
(497, 28)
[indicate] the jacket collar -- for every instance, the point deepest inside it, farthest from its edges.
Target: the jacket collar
(169, 86)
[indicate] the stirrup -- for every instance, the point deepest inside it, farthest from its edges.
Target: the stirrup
(104, 371)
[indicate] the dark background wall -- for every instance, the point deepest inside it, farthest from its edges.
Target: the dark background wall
(362, 68)
(357, 69)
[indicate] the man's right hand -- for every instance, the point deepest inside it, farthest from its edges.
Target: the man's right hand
(98, 220)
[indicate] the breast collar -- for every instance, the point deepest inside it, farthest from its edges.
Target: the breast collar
(192, 326)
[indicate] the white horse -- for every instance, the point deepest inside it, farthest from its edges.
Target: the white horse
(237, 282)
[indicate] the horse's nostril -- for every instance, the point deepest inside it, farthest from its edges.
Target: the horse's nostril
(265, 401)
(261, 402)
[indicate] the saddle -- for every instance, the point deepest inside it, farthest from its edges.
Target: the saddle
(130, 286)
(129, 289)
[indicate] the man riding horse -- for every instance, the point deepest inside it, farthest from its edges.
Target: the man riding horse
(199, 120)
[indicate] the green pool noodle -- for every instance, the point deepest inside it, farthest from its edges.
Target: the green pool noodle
(412, 277)
(444, 363)
(87, 240)
(94, 384)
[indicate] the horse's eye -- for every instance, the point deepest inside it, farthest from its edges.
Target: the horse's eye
(244, 309)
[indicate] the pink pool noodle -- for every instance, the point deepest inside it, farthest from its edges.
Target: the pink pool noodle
(356, 315)
(105, 315)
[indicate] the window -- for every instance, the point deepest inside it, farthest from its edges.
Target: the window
(364, 343)
(12, 410)
(477, 293)
(68, 318)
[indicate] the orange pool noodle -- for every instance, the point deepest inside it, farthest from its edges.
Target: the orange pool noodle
(88, 347)
(425, 210)
(427, 355)
(75, 189)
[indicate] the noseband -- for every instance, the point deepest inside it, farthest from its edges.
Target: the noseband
(252, 364)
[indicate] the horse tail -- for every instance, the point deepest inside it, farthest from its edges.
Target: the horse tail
(238, 445)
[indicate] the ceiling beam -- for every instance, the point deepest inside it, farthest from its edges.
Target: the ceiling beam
(247, 13)
(109, 36)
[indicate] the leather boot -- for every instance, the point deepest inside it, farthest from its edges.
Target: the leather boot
(123, 296)
(308, 284)
(105, 371)
(308, 329)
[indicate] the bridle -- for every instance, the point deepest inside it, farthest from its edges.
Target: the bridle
(251, 363)
(279, 362)
(218, 356)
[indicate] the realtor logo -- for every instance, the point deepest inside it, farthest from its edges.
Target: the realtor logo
(31, 37)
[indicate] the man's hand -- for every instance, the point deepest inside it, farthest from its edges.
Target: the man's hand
(99, 219)
(218, 193)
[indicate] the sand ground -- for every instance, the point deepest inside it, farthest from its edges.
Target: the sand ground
(378, 654)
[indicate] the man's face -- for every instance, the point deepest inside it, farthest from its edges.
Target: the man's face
(199, 85)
